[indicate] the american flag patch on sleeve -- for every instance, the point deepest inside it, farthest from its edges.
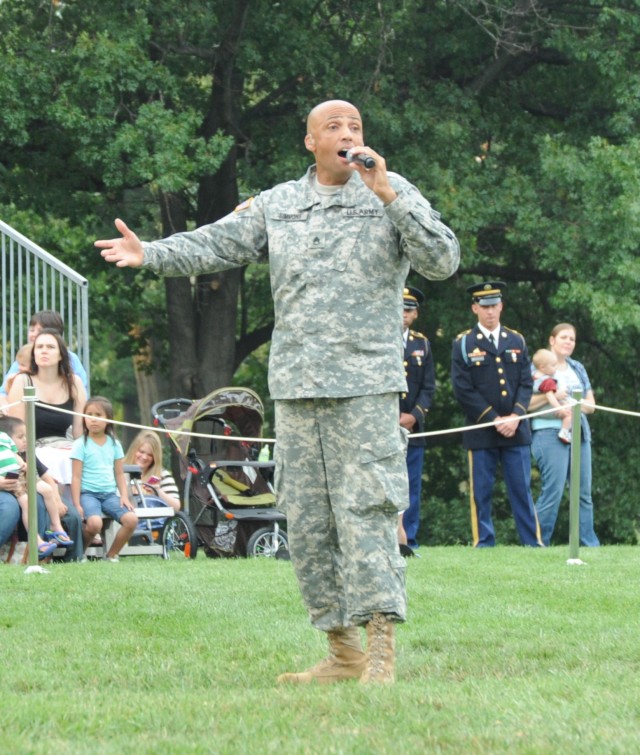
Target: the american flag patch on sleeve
(244, 205)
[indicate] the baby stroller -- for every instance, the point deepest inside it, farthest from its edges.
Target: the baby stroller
(227, 491)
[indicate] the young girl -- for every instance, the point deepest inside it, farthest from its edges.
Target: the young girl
(98, 484)
(146, 452)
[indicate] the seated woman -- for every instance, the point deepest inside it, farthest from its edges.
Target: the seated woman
(146, 451)
(57, 388)
(45, 320)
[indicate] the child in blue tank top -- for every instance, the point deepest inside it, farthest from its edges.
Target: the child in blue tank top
(98, 484)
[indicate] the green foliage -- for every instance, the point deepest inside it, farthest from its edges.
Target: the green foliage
(162, 150)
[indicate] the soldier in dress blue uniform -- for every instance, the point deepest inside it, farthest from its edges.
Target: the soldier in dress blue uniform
(414, 405)
(491, 376)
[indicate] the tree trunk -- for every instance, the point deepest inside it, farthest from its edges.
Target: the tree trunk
(183, 353)
(217, 298)
(202, 316)
(217, 294)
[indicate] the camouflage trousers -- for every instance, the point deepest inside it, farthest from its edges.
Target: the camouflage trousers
(341, 479)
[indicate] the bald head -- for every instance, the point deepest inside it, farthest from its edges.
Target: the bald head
(333, 128)
(331, 109)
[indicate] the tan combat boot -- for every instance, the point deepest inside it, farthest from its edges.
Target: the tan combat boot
(345, 661)
(381, 653)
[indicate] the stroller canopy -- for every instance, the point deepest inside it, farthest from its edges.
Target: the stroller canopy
(240, 407)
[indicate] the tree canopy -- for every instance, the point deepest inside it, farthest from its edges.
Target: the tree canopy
(518, 119)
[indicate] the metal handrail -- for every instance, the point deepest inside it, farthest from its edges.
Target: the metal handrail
(32, 280)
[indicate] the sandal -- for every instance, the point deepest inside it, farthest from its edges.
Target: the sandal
(60, 537)
(45, 550)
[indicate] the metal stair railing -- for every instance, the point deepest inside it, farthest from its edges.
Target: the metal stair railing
(32, 280)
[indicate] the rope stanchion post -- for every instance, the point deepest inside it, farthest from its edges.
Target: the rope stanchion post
(30, 422)
(574, 479)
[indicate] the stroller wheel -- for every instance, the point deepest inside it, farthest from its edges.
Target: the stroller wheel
(263, 543)
(179, 539)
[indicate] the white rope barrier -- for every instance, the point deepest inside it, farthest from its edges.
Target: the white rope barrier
(531, 415)
(428, 434)
(625, 412)
(160, 429)
(493, 423)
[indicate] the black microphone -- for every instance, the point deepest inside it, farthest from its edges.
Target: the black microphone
(363, 159)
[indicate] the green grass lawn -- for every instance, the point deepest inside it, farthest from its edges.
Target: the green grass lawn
(505, 650)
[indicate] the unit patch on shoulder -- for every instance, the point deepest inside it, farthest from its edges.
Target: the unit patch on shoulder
(244, 205)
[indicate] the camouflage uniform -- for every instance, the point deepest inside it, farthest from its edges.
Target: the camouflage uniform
(338, 265)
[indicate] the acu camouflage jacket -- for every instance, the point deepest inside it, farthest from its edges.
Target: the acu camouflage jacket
(338, 265)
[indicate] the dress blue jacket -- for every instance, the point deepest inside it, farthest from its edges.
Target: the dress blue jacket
(421, 382)
(490, 383)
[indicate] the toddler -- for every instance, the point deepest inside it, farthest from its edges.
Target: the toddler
(23, 360)
(546, 364)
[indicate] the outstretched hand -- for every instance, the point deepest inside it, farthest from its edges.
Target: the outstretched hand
(126, 251)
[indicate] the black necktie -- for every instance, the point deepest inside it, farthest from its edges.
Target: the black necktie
(492, 340)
